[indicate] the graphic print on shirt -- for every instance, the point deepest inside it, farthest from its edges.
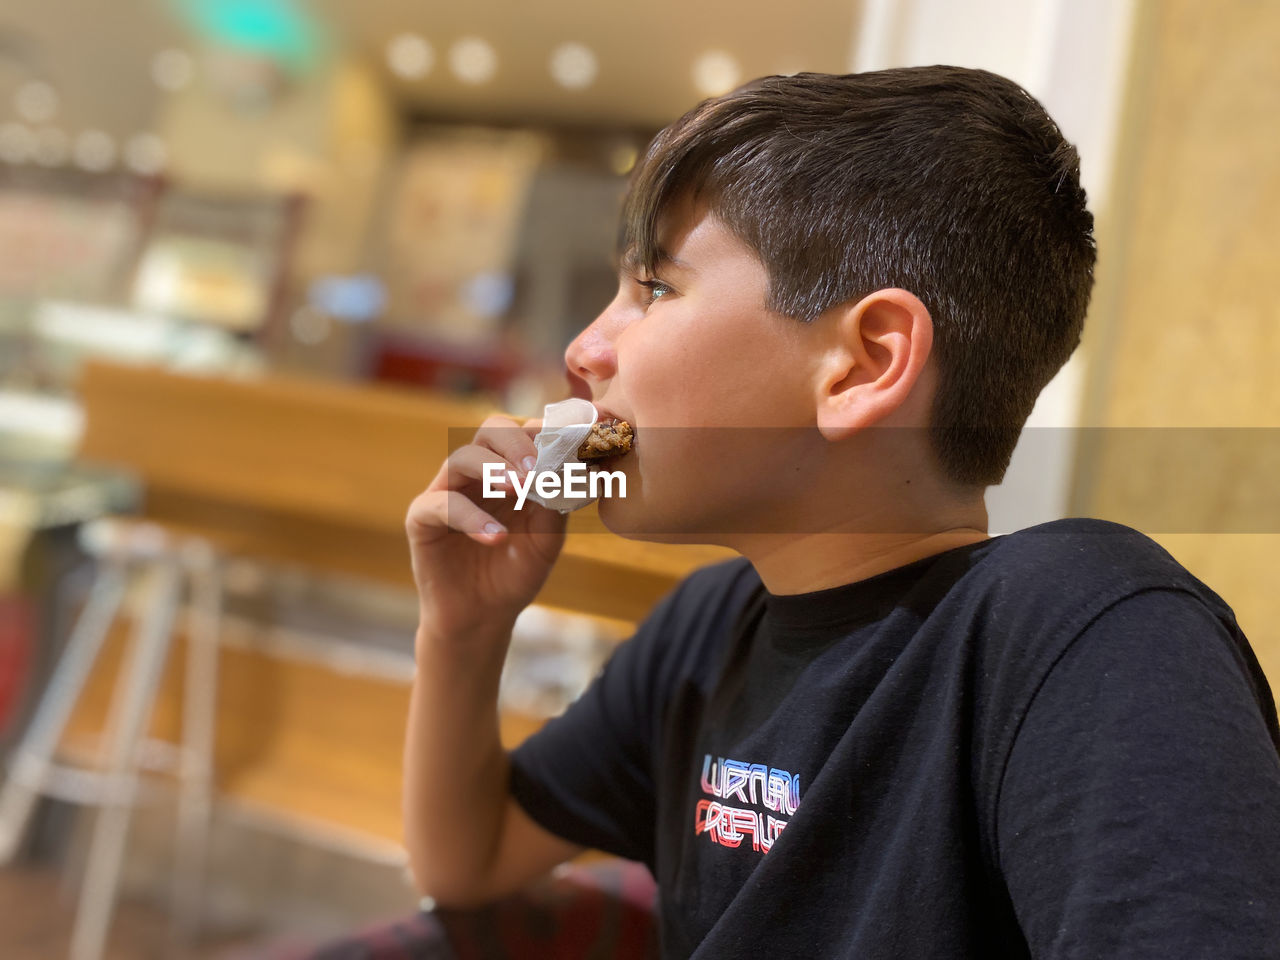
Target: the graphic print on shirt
(728, 820)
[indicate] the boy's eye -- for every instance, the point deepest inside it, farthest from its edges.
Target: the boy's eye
(654, 290)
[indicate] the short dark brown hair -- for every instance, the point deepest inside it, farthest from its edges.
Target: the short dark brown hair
(952, 183)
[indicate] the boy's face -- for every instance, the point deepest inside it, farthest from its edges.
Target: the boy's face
(693, 358)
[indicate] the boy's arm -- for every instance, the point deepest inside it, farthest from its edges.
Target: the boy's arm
(1139, 815)
(477, 562)
(468, 841)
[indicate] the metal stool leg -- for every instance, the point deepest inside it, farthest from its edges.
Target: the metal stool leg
(199, 725)
(142, 677)
(32, 759)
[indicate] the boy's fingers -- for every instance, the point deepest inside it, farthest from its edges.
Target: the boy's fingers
(466, 465)
(506, 438)
(432, 516)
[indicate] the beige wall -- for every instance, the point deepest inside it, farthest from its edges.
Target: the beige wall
(1185, 330)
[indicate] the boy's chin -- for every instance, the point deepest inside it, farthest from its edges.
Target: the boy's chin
(636, 520)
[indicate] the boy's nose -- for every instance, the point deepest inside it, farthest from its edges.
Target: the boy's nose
(590, 360)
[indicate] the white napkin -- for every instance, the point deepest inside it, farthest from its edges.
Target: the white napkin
(564, 426)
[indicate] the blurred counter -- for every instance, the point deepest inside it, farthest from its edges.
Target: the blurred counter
(309, 481)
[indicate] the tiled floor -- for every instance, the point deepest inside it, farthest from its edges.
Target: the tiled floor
(36, 916)
(261, 887)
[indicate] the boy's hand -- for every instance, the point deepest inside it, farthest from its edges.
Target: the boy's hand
(478, 562)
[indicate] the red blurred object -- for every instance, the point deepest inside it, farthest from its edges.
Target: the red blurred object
(447, 367)
(17, 622)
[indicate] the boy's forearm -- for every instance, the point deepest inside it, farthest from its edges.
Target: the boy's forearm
(455, 769)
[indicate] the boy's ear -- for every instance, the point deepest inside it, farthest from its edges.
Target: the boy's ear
(878, 351)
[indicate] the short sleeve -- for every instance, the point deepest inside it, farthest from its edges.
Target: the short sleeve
(1139, 813)
(589, 774)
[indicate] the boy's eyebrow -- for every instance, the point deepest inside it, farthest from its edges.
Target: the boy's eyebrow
(630, 261)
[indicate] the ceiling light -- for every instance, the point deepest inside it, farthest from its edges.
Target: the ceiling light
(52, 147)
(17, 143)
(145, 153)
(172, 69)
(36, 101)
(715, 72)
(473, 60)
(410, 56)
(95, 150)
(574, 66)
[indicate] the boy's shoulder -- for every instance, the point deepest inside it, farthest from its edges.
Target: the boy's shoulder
(1081, 559)
(1085, 549)
(1048, 581)
(1033, 593)
(1061, 569)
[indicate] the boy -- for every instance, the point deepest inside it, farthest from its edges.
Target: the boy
(880, 732)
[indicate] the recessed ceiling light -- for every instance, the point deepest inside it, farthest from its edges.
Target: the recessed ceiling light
(145, 153)
(172, 69)
(715, 72)
(17, 143)
(52, 147)
(574, 66)
(95, 150)
(36, 101)
(473, 60)
(410, 56)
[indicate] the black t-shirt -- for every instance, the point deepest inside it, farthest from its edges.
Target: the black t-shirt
(1055, 743)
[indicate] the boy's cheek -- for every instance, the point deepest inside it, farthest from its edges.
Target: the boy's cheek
(686, 464)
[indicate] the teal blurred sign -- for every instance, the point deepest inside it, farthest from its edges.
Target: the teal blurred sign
(279, 29)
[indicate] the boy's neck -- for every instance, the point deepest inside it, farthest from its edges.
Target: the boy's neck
(791, 564)
(871, 507)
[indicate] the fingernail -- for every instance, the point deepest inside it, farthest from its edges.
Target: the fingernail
(528, 463)
(494, 528)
